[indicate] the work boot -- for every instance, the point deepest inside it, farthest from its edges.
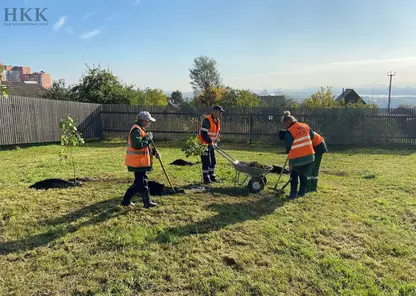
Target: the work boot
(291, 196)
(207, 179)
(214, 179)
(130, 204)
(147, 202)
(314, 185)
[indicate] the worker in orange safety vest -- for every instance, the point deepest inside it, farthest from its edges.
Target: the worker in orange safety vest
(301, 154)
(139, 156)
(209, 132)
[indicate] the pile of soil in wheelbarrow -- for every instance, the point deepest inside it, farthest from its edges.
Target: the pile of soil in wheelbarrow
(182, 162)
(54, 184)
(255, 164)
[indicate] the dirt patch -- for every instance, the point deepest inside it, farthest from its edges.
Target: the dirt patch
(155, 188)
(54, 184)
(182, 162)
(229, 261)
(159, 189)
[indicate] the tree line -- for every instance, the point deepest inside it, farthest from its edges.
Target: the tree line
(98, 85)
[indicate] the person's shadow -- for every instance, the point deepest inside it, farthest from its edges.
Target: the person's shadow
(228, 214)
(100, 212)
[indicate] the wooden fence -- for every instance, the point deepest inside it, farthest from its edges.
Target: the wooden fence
(339, 126)
(29, 120)
(32, 120)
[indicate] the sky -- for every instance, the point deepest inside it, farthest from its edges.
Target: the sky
(259, 44)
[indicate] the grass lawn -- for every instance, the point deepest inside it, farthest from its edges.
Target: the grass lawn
(356, 236)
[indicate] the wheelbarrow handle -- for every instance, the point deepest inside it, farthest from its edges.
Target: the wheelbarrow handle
(225, 154)
(281, 173)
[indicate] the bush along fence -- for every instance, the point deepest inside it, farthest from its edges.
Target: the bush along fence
(32, 120)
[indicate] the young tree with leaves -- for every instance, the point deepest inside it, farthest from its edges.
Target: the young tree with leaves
(3, 91)
(3, 88)
(70, 138)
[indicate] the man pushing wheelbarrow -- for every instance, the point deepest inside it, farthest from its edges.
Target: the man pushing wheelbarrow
(208, 135)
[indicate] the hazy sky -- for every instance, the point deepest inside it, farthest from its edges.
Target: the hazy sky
(257, 44)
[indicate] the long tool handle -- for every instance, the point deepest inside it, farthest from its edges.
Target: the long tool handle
(225, 154)
(163, 167)
(281, 173)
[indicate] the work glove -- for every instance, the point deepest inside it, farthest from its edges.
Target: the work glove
(150, 136)
(282, 134)
(211, 147)
(158, 155)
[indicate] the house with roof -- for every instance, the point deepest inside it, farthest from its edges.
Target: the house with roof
(349, 96)
(29, 89)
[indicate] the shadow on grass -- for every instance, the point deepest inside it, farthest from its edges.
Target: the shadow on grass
(230, 191)
(393, 150)
(228, 214)
(100, 212)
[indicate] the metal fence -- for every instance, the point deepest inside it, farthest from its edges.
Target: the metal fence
(30, 120)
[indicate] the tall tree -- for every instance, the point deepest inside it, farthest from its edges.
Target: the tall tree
(177, 97)
(211, 98)
(153, 97)
(239, 98)
(59, 91)
(101, 86)
(204, 75)
(323, 98)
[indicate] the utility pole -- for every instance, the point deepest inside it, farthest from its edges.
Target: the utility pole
(390, 74)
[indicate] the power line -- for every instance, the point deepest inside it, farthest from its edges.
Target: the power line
(390, 74)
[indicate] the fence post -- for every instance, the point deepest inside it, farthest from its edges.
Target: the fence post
(251, 127)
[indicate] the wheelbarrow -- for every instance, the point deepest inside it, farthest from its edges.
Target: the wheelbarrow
(257, 175)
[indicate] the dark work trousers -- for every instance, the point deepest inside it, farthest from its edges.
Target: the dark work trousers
(313, 181)
(140, 185)
(295, 177)
(208, 164)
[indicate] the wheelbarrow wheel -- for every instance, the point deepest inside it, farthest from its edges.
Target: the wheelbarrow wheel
(256, 184)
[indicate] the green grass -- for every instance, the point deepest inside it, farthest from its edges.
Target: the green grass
(356, 236)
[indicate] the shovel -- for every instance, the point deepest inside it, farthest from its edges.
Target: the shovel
(163, 167)
(281, 173)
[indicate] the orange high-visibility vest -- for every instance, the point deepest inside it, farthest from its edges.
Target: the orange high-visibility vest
(302, 144)
(213, 131)
(137, 158)
(317, 139)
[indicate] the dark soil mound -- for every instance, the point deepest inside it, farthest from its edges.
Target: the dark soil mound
(181, 162)
(156, 188)
(53, 183)
(278, 170)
